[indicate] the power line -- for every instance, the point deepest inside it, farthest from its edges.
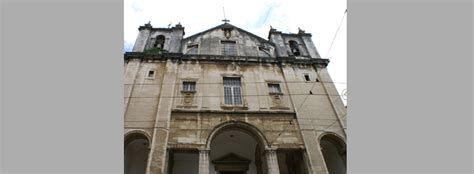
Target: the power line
(280, 132)
(337, 31)
(306, 97)
(301, 105)
(178, 121)
(336, 121)
(210, 96)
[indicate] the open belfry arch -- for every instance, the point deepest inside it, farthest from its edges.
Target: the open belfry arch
(226, 101)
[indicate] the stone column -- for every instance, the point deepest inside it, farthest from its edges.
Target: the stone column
(204, 161)
(272, 161)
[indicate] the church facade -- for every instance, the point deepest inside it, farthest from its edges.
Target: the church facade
(226, 101)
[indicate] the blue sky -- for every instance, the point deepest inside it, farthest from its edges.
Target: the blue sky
(321, 18)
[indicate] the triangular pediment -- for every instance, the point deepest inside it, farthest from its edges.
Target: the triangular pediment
(226, 26)
(231, 158)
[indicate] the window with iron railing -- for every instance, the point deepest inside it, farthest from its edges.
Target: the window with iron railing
(232, 91)
(189, 86)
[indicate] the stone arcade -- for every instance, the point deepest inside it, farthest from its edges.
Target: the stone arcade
(225, 101)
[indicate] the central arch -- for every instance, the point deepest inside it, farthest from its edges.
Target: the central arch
(237, 147)
(241, 126)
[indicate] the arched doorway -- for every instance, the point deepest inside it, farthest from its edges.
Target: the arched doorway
(334, 153)
(136, 153)
(238, 148)
(234, 151)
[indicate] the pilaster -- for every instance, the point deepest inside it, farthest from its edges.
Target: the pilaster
(142, 38)
(272, 161)
(204, 161)
(157, 157)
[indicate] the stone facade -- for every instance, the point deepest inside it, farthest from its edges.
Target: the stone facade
(176, 101)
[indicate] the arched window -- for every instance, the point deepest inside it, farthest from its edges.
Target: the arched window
(334, 152)
(160, 41)
(294, 47)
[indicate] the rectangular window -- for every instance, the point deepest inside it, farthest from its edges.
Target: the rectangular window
(274, 88)
(232, 91)
(192, 49)
(189, 86)
(151, 74)
(306, 77)
(229, 48)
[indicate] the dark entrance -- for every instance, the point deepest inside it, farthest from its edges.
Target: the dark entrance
(231, 164)
(231, 172)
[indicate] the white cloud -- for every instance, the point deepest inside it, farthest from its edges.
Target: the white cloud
(321, 18)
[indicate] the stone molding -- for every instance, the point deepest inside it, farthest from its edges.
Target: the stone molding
(179, 57)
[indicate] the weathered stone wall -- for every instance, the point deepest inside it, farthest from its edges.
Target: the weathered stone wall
(209, 85)
(210, 43)
(192, 130)
(315, 110)
(317, 114)
(142, 93)
(141, 40)
(280, 49)
(172, 36)
(296, 123)
(312, 51)
(301, 44)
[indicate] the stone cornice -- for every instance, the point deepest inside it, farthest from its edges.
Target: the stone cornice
(272, 113)
(149, 27)
(296, 34)
(274, 31)
(220, 58)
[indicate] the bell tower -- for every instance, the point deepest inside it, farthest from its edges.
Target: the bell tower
(159, 39)
(293, 44)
